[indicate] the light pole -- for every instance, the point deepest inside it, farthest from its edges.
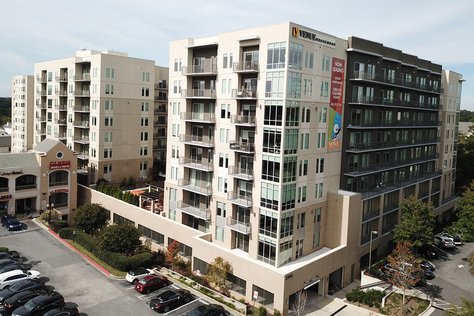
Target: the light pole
(50, 210)
(372, 232)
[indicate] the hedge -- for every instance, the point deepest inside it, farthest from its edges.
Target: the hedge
(4, 249)
(116, 260)
(370, 297)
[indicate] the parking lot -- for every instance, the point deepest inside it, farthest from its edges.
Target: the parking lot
(73, 277)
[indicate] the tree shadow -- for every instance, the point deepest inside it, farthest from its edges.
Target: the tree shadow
(433, 291)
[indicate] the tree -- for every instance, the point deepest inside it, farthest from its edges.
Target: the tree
(299, 306)
(466, 309)
(172, 253)
(122, 238)
(404, 270)
(217, 272)
(465, 157)
(464, 225)
(91, 217)
(416, 224)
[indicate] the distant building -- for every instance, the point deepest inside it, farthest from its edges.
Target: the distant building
(5, 143)
(22, 113)
(464, 127)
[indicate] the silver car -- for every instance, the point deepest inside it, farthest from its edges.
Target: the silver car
(444, 242)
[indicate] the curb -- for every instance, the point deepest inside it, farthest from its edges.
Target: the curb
(89, 260)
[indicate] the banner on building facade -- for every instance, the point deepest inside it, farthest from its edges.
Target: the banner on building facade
(335, 104)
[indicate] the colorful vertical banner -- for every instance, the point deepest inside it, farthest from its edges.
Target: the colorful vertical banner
(335, 104)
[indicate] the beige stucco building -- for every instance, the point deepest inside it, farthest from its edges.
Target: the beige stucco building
(22, 113)
(101, 105)
(44, 177)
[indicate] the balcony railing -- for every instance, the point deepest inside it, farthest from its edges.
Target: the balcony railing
(81, 139)
(61, 107)
(84, 155)
(61, 78)
(81, 124)
(359, 124)
(82, 93)
(196, 211)
(245, 66)
(388, 145)
(209, 66)
(205, 141)
(60, 135)
(394, 103)
(82, 77)
(60, 121)
(242, 146)
(379, 77)
(41, 118)
(199, 164)
(198, 117)
(197, 186)
(244, 93)
(40, 105)
(199, 93)
(241, 173)
(248, 120)
(242, 200)
(82, 108)
(241, 227)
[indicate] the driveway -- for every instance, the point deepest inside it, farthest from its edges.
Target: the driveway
(73, 277)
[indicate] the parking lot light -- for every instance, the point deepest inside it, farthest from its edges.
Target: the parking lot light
(372, 232)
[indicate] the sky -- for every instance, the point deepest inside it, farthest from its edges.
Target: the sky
(34, 31)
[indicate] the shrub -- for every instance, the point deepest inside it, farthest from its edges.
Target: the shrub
(3, 249)
(58, 225)
(261, 311)
(276, 312)
(86, 241)
(370, 298)
(66, 233)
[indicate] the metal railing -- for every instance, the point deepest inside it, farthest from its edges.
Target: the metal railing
(245, 66)
(197, 186)
(246, 174)
(197, 140)
(201, 164)
(193, 210)
(242, 146)
(394, 102)
(245, 93)
(209, 66)
(198, 116)
(243, 119)
(83, 77)
(242, 200)
(380, 77)
(242, 227)
(198, 93)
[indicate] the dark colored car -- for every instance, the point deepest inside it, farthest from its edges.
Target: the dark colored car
(40, 305)
(11, 267)
(6, 262)
(169, 300)
(427, 265)
(6, 218)
(20, 299)
(20, 286)
(429, 252)
(69, 309)
(207, 310)
(12, 224)
(151, 283)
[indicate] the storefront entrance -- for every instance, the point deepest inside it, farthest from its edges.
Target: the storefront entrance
(25, 206)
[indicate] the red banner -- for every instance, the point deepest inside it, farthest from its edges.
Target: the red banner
(337, 84)
(53, 165)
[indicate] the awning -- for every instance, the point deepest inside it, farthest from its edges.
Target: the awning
(311, 284)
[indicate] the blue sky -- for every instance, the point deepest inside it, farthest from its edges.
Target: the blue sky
(34, 31)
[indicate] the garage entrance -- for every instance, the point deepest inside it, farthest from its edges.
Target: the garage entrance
(335, 281)
(311, 290)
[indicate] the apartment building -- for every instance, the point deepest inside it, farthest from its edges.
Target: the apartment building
(101, 105)
(22, 113)
(394, 122)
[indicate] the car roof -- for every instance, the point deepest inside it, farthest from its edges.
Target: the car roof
(47, 297)
(149, 277)
(10, 273)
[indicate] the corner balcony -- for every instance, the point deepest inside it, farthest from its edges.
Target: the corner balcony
(245, 120)
(245, 93)
(198, 93)
(200, 164)
(60, 121)
(209, 67)
(240, 173)
(82, 170)
(246, 66)
(201, 117)
(204, 141)
(81, 124)
(82, 93)
(196, 186)
(242, 200)
(82, 77)
(240, 227)
(242, 147)
(196, 211)
(82, 108)
(81, 139)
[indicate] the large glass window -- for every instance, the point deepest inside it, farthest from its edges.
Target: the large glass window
(295, 58)
(274, 86)
(291, 141)
(289, 169)
(288, 196)
(276, 55)
(286, 225)
(271, 140)
(267, 250)
(294, 85)
(59, 177)
(292, 113)
(271, 168)
(273, 113)
(151, 234)
(270, 195)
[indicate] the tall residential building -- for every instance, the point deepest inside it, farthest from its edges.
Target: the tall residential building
(391, 144)
(101, 105)
(22, 113)
(160, 121)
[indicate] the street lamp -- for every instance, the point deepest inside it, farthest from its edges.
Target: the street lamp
(372, 232)
(50, 209)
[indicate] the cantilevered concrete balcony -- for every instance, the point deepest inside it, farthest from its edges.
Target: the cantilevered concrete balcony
(240, 227)
(245, 120)
(242, 200)
(201, 117)
(198, 93)
(196, 211)
(240, 173)
(200, 164)
(246, 66)
(242, 146)
(207, 67)
(245, 93)
(196, 186)
(204, 141)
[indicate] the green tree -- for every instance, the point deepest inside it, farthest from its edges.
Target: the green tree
(122, 238)
(91, 217)
(464, 225)
(405, 270)
(465, 157)
(416, 224)
(217, 272)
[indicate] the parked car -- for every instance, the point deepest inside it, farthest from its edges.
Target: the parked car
(40, 305)
(6, 262)
(11, 277)
(151, 283)
(425, 264)
(20, 299)
(444, 242)
(169, 300)
(12, 224)
(134, 275)
(21, 286)
(6, 218)
(207, 310)
(429, 252)
(455, 237)
(11, 267)
(67, 310)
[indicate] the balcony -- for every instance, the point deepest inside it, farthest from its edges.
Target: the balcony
(195, 211)
(62, 78)
(245, 120)
(208, 67)
(84, 155)
(82, 93)
(161, 85)
(82, 77)
(242, 200)
(41, 79)
(60, 136)
(204, 141)
(81, 124)
(61, 107)
(81, 139)
(199, 93)
(202, 164)
(40, 105)
(396, 103)
(246, 66)
(161, 98)
(42, 92)
(160, 122)
(60, 121)
(82, 170)
(244, 147)
(245, 93)
(379, 77)
(41, 118)
(62, 93)
(82, 108)
(159, 147)
(196, 186)
(240, 173)
(375, 146)
(358, 124)
(201, 117)
(240, 227)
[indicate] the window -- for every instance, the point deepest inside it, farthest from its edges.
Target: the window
(292, 113)
(304, 143)
(222, 184)
(291, 141)
(268, 224)
(108, 121)
(143, 165)
(288, 196)
(176, 106)
(273, 113)
(109, 73)
(175, 130)
(300, 220)
(225, 111)
(325, 63)
(108, 105)
(144, 121)
(324, 89)
(109, 88)
(295, 56)
(107, 169)
(286, 226)
(108, 137)
(323, 112)
(223, 160)
(271, 140)
(151, 234)
(270, 195)
(224, 135)
(174, 151)
(306, 115)
(302, 194)
(303, 168)
(221, 209)
(276, 55)
(294, 84)
(143, 136)
(319, 165)
(274, 85)
(319, 188)
(317, 215)
(174, 173)
(271, 168)
(143, 150)
(289, 169)
(146, 76)
(321, 140)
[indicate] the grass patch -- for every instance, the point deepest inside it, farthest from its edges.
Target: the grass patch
(84, 251)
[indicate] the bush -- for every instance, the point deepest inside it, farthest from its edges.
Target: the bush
(86, 241)
(3, 249)
(58, 225)
(66, 233)
(370, 298)
(261, 311)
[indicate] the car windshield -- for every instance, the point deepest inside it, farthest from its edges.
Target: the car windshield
(165, 296)
(16, 286)
(30, 305)
(138, 272)
(197, 311)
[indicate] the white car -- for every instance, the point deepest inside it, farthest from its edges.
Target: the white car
(10, 277)
(136, 274)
